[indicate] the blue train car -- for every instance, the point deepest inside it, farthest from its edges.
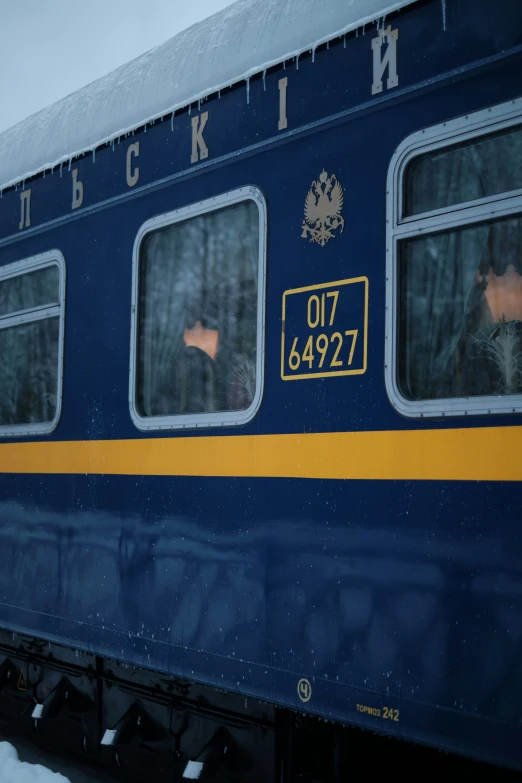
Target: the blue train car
(260, 396)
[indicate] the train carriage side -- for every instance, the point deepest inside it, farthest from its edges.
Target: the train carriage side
(261, 386)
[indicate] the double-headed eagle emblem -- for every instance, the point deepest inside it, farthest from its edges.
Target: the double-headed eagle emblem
(323, 206)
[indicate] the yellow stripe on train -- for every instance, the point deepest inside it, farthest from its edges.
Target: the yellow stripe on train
(485, 454)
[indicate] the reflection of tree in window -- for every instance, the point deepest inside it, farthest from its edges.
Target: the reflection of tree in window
(29, 350)
(198, 314)
(460, 331)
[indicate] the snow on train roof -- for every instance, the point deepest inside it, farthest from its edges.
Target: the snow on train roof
(228, 47)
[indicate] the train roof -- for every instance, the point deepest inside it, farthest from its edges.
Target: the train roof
(229, 47)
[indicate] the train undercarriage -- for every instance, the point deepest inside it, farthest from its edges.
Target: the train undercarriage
(141, 725)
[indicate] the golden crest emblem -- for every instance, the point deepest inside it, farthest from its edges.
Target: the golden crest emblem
(323, 206)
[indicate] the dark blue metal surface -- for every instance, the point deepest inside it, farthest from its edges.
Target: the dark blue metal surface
(405, 595)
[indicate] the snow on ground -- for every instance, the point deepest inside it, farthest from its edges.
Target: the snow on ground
(12, 770)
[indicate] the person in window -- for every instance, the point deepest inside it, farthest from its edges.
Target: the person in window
(196, 381)
(488, 358)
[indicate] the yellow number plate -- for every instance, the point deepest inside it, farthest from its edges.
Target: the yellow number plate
(325, 330)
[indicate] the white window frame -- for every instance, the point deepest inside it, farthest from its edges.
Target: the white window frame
(216, 418)
(458, 216)
(16, 269)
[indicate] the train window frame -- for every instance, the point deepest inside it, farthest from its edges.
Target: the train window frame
(203, 420)
(31, 315)
(400, 226)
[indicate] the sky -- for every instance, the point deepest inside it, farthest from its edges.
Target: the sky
(51, 48)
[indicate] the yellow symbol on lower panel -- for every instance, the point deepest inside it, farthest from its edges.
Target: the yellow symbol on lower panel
(304, 690)
(22, 685)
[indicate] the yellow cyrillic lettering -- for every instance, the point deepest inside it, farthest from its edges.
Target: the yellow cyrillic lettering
(25, 209)
(199, 148)
(133, 176)
(77, 190)
(283, 121)
(389, 60)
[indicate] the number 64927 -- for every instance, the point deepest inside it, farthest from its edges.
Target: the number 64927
(323, 348)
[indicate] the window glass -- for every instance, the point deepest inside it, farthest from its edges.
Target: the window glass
(465, 172)
(29, 290)
(31, 330)
(29, 372)
(460, 312)
(197, 314)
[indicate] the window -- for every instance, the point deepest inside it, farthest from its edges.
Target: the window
(197, 332)
(454, 324)
(31, 344)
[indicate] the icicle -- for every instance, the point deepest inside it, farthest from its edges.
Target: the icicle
(70, 161)
(444, 15)
(112, 145)
(44, 173)
(145, 128)
(313, 54)
(219, 95)
(190, 108)
(61, 164)
(364, 29)
(247, 80)
(328, 44)
(264, 81)
(357, 33)
(344, 41)
(297, 63)
(199, 104)
(172, 121)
